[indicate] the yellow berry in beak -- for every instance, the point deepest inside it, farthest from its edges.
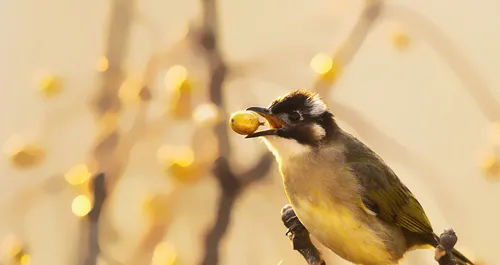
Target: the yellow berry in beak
(244, 122)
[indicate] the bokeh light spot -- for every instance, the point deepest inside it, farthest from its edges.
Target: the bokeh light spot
(206, 114)
(175, 77)
(102, 64)
(50, 85)
(81, 205)
(78, 174)
(321, 63)
(164, 254)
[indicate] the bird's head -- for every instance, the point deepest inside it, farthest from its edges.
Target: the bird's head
(297, 120)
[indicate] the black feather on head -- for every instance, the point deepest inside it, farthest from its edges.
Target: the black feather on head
(307, 102)
(313, 112)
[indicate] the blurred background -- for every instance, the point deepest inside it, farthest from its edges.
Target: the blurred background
(117, 150)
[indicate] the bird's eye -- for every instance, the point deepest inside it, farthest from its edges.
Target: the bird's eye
(294, 116)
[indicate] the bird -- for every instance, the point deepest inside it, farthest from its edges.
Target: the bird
(344, 194)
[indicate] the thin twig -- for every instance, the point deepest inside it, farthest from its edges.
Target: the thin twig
(139, 130)
(142, 129)
(107, 104)
(159, 221)
(107, 101)
(343, 55)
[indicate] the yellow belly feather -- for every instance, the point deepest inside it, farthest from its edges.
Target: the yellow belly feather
(340, 229)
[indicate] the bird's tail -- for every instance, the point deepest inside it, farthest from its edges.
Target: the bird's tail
(460, 258)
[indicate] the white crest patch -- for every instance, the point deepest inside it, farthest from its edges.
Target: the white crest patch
(284, 149)
(316, 105)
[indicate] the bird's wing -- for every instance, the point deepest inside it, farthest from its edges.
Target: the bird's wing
(384, 194)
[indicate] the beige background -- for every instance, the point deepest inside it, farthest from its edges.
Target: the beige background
(412, 96)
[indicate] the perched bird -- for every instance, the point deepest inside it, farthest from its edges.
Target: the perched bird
(342, 191)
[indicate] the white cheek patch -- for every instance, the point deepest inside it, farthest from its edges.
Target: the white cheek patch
(283, 149)
(318, 132)
(316, 105)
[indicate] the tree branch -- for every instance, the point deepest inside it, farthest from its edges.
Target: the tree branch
(92, 220)
(106, 105)
(447, 242)
(351, 45)
(231, 185)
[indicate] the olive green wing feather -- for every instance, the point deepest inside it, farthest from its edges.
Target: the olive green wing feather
(384, 194)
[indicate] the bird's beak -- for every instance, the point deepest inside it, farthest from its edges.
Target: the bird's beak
(274, 122)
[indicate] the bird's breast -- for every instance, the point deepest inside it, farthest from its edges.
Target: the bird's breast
(324, 200)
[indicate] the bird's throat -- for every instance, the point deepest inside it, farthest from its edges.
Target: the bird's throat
(285, 149)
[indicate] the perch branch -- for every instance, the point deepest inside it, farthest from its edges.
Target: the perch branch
(447, 242)
(231, 185)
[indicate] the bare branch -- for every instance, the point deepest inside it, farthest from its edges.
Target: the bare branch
(92, 220)
(351, 45)
(447, 242)
(230, 184)
(106, 103)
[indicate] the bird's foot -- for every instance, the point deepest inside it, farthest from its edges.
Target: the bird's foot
(299, 236)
